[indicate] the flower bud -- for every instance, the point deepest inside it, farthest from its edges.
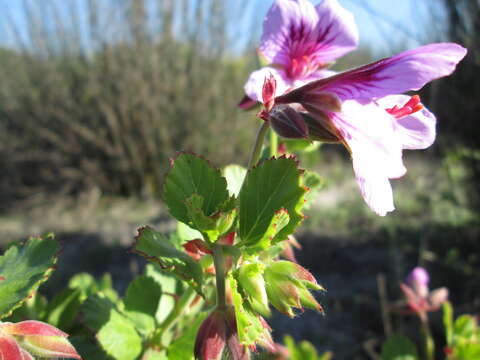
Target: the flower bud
(437, 297)
(288, 122)
(217, 337)
(268, 92)
(418, 279)
(250, 277)
(288, 286)
(320, 127)
(19, 341)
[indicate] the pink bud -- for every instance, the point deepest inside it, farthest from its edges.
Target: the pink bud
(218, 335)
(49, 346)
(9, 349)
(32, 327)
(268, 92)
(418, 279)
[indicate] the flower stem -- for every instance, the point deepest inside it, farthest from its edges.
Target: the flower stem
(173, 316)
(219, 263)
(257, 148)
(273, 143)
(428, 339)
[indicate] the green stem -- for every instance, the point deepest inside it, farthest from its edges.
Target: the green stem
(219, 262)
(174, 315)
(428, 339)
(257, 148)
(273, 143)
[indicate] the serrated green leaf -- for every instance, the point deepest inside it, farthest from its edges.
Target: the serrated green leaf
(119, 338)
(269, 187)
(23, 268)
(398, 347)
(235, 174)
(88, 348)
(155, 247)
(190, 175)
(64, 308)
(195, 212)
(169, 286)
(96, 311)
(279, 220)
(182, 348)
(249, 326)
(141, 303)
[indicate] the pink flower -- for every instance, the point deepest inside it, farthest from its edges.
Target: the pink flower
(361, 109)
(420, 300)
(23, 340)
(300, 40)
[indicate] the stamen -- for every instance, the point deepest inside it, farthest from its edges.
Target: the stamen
(412, 106)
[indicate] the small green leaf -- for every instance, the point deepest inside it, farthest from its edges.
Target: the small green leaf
(96, 311)
(169, 286)
(269, 187)
(279, 220)
(119, 338)
(23, 268)
(249, 326)
(141, 302)
(190, 175)
(235, 174)
(182, 348)
(64, 308)
(195, 212)
(448, 321)
(155, 247)
(398, 347)
(186, 233)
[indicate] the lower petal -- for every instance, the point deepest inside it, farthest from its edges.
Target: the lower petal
(415, 131)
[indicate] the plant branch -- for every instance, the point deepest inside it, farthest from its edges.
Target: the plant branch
(219, 262)
(257, 148)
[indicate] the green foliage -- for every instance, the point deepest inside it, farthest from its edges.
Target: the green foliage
(398, 347)
(273, 185)
(303, 351)
(463, 335)
(141, 302)
(23, 268)
(155, 247)
(196, 193)
(182, 348)
(119, 338)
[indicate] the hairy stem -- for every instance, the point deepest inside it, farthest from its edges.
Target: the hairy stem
(257, 148)
(219, 262)
(273, 143)
(428, 339)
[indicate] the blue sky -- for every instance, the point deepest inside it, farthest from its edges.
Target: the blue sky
(385, 25)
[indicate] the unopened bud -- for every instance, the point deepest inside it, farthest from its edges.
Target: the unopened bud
(250, 277)
(288, 122)
(288, 286)
(418, 279)
(217, 337)
(268, 92)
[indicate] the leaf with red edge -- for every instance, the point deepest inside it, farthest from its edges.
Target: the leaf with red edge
(32, 327)
(23, 268)
(49, 346)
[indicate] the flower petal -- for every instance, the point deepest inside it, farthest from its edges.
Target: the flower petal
(26, 355)
(288, 24)
(417, 130)
(368, 131)
(336, 31)
(32, 327)
(254, 85)
(9, 349)
(409, 70)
